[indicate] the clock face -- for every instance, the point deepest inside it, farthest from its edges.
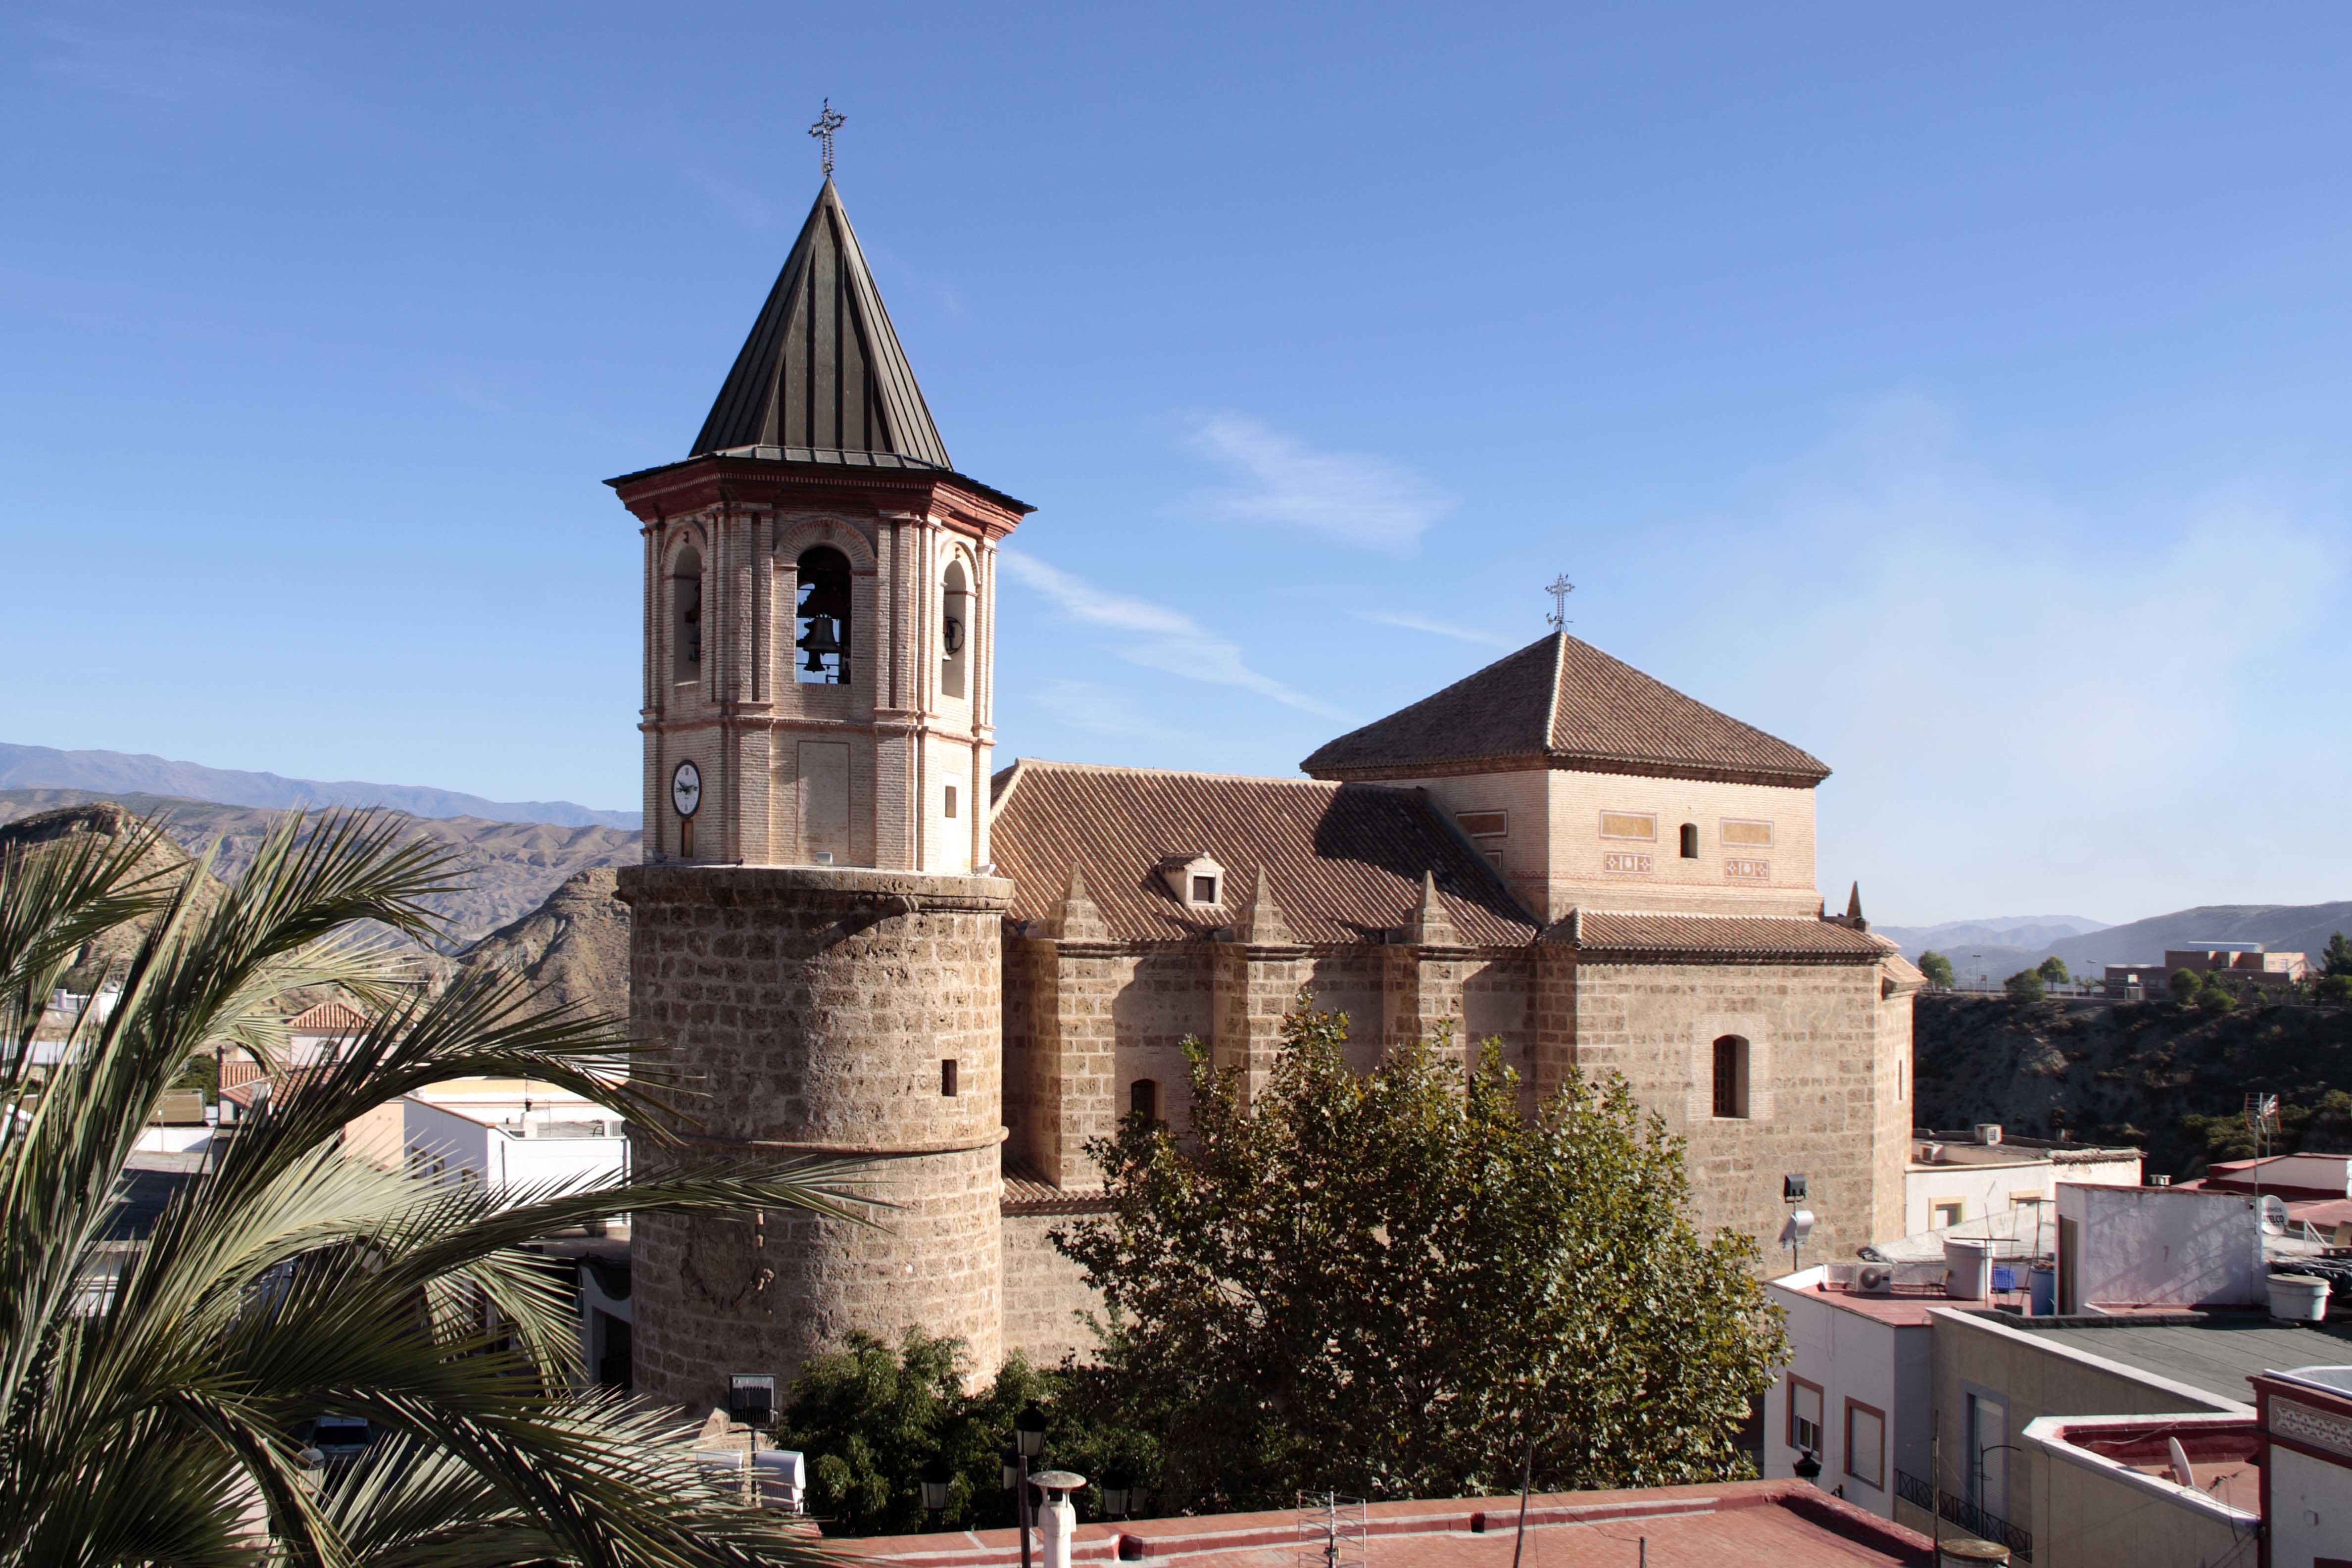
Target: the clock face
(686, 788)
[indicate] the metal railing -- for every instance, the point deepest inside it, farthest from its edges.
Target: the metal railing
(1979, 1522)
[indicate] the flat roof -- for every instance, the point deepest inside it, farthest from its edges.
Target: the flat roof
(1770, 1524)
(2216, 1352)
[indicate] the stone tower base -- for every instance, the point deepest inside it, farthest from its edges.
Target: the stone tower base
(814, 1012)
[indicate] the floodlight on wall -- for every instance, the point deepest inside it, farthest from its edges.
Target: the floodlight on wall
(751, 1399)
(1792, 1187)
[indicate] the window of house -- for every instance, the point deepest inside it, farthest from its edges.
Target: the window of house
(1804, 1415)
(1484, 823)
(685, 615)
(821, 618)
(1143, 1099)
(1943, 1212)
(1204, 890)
(947, 1077)
(1865, 1444)
(1628, 824)
(1690, 840)
(952, 803)
(1747, 835)
(1731, 1076)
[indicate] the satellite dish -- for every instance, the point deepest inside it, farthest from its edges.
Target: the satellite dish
(2273, 1215)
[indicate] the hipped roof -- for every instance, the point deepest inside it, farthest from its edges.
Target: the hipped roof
(1560, 702)
(823, 372)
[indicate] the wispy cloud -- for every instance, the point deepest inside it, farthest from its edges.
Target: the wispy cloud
(1436, 628)
(1350, 497)
(203, 57)
(1158, 637)
(1087, 705)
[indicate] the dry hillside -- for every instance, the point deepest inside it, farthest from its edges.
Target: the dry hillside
(504, 870)
(112, 951)
(575, 945)
(2172, 1080)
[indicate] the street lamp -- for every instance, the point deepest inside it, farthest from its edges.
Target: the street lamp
(1808, 1467)
(1028, 1443)
(936, 1478)
(1119, 1489)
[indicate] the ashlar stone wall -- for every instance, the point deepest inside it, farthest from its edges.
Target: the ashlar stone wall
(812, 1010)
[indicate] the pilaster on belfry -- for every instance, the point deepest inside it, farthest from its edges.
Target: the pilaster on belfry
(1554, 1057)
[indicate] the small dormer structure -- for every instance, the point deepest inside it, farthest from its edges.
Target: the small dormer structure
(1198, 881)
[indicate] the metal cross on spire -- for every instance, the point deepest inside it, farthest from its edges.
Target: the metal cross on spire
(826, 124)
(1560, 589)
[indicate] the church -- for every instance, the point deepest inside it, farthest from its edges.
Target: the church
(862, 940)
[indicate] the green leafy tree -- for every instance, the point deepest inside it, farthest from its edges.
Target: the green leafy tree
(2052, 971)
(2336, 988)
(2336, 959)
(871, 1418)
(2025, 986)
(2187, 986)
(150, 1395)
(2217, 997)
(1936, 968)
(1391, 1283)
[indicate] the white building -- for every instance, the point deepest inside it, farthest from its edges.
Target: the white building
(511, 1136)
(1954, 1178)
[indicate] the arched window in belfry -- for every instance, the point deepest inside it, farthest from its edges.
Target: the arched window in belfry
(955, 628)
(685, 615)
(821, 622)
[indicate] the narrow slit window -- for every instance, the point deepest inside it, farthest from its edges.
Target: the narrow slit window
(1690, 840)
(952, 803)
(947, 1077)
(1143, 1099)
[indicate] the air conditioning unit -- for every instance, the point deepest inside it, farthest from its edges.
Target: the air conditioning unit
(1875, 1279)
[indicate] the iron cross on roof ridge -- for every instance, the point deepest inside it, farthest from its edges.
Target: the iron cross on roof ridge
(1560, 589)
(826, 124)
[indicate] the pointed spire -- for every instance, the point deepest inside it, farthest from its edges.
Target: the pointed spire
(1853, 908)
(1078, 918)
(1429, 924)
(1261, 924)
(822, 375)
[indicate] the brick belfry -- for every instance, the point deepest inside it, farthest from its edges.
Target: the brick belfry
(818, 936)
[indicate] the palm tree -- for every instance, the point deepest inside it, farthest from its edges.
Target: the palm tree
(150, 1387)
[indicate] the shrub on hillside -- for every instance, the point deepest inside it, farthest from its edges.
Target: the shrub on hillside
(2186, 986)
(2025, 986)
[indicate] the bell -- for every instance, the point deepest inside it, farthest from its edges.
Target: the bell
(817, 642)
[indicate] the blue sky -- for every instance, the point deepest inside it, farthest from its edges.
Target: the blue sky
(1960, 393)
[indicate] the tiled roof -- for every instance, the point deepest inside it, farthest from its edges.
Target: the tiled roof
(1561, 702)
(327, 1019)
(1718, 936)
(1026, 1191)
(1345, 862)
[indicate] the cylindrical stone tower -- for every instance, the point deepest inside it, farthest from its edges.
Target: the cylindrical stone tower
(817, 925)
(825, 1013)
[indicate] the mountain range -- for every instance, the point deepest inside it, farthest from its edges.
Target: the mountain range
(504, 872)
(2001, 947)
(118, 774)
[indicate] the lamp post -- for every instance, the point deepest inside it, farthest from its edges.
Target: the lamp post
(1028, 1443)
(935, 1479)
(1119, 1489)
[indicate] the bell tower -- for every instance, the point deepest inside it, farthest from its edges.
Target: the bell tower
(816, 933)
(820, 595)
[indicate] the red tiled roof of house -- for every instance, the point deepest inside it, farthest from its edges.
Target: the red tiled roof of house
(1717, 936)
(1767, 1524)
(327, 1019)
(1560, 702)
(1345, 862)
